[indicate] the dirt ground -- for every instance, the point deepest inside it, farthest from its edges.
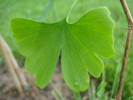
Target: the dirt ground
(8, 90)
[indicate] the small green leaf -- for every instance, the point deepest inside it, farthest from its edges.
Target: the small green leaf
(80, 45)
(101, 89)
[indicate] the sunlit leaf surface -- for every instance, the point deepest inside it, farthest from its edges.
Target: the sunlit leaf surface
(80, 44)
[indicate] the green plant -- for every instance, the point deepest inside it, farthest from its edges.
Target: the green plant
(81, 44)
(101, 90)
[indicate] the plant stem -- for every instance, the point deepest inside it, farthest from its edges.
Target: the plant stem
(127, 48)
(116, 78)
(103, 76)
(55, 95)
(56, 90)
(56, 13)
(77, 96)
(127, 12)
(47, 9)
(5, 50)
(93, 90)
(71, 9)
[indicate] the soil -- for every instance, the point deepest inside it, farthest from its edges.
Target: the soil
(8, 90)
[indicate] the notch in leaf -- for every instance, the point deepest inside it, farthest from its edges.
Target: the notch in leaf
(81, 44)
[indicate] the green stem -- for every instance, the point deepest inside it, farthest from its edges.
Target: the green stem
(55, 95)
(93, 88)
(103, 76)
(116, 79)
(77, 96)
(47, 9)
(56, 90)
(56, 13)
(70, 10)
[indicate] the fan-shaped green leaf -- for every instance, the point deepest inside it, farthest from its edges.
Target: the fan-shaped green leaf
(80, 45)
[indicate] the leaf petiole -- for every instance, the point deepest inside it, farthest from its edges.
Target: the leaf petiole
(71, 9)
(47, 9)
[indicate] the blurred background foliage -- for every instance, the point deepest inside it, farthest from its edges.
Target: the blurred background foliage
(32, 9)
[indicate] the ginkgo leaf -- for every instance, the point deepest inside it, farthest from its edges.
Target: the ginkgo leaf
(80, 45)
